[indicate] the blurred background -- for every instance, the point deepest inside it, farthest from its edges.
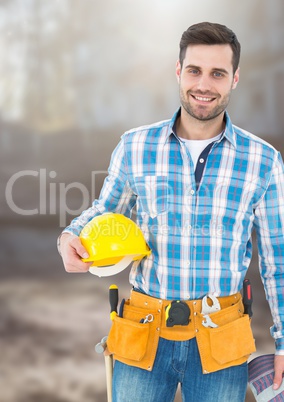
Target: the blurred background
(74, 75)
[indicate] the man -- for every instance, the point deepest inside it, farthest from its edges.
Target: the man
(200, 186)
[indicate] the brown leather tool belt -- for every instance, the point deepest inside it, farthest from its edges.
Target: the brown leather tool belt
(224, 337)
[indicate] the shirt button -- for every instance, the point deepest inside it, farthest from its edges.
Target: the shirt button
(201, 160)
(188, 263)
(192, 192)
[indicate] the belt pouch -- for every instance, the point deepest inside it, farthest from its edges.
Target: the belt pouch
(230, 344)
(132, 342)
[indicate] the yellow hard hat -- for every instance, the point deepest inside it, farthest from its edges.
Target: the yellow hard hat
(112, 242)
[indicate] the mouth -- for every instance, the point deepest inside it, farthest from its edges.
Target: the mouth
(203, 99)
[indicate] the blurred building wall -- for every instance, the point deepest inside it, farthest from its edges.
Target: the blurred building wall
(75, 74)
(89, 64)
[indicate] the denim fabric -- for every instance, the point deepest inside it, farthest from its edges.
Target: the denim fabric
(178, 362)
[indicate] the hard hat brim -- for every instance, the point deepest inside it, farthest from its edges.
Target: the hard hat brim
(112, 269)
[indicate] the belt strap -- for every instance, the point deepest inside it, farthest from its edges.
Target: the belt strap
(179, 332)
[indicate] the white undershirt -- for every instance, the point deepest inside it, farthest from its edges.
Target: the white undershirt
(195, 147)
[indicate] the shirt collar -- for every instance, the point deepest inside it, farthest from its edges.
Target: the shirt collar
(229, 132)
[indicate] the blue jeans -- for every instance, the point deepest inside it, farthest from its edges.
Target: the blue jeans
(178, 362)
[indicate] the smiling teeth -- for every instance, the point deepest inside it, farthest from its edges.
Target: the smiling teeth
(203, 99)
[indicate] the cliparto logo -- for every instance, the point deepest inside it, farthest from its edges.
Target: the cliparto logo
(49, 196)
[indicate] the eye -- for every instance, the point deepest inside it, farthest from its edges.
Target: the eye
(193, 71)
(217, 74)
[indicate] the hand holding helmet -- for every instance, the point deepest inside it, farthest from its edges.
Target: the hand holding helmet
(112, 241)
(72, 252)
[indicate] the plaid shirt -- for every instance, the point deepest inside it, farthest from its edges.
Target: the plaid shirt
(199, 233)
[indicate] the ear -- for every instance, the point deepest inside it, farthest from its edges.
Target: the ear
(178, 70)
(236, 78)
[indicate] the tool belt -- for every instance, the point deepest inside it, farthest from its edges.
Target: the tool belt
(133, 339)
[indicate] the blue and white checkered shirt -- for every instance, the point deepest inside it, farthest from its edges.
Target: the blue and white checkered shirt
(199, 233)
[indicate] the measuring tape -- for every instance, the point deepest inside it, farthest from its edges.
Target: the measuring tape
(177, 313)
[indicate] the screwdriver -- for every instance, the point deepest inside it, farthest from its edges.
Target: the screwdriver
(113, 301)
(247, 297)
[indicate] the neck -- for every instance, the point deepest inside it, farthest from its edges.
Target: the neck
(191, 128)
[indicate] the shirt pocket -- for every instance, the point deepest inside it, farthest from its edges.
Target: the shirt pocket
(152, 192)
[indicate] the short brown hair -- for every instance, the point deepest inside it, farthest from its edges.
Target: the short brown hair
(208, 33)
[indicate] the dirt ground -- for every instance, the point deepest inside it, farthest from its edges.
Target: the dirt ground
(50, 322)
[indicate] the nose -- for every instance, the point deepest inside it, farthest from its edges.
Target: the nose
(204, 83)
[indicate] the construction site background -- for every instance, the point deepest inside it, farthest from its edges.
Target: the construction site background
(74, 75)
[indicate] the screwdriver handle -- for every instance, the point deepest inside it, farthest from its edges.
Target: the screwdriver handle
(113, 301)
(247, 297)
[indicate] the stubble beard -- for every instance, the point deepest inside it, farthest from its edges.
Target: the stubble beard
(200, 112)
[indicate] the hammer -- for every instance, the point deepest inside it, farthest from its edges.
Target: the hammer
(100, 348)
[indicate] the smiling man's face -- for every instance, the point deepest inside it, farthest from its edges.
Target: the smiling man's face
(206, 80)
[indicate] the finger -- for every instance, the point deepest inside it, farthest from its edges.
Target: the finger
(80, 249)
(73, 262)
(278, 376)
(72, 252)
(277, 381)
